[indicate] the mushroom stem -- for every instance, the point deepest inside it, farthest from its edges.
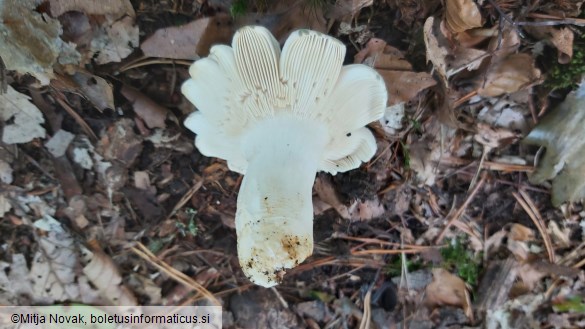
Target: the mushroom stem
(274, 218)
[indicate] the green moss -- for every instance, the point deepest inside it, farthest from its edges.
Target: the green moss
(457, 258)
(568, 75)
(575, 304)
(395, 268)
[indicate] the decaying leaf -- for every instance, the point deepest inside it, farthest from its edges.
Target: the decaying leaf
(562, 39)
(378, 54)
(59, 143)
(30, 44)
(104, 275)
(448, 289)
(115, 41)
(347, 8)
(153, 114)
(189, 41)
(436, 53)
(561, 133)
(91, 7)
(462, 15)
(54, 265)
(25, 118)
(12, 283)
(513, 73)
(97, 90)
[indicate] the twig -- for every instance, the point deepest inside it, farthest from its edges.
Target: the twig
(461, 209)
(526, 202)
(180, 277)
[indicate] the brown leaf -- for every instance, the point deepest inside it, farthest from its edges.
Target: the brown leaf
(448, 289)
(189, 41)
(120, 143)
(92, 7)
(153, 114)
(436, 53)
(380, 55)
(97, 90)
(513, 73)
(343, 8)
(462, 15)
(563, 40)
(403, 86)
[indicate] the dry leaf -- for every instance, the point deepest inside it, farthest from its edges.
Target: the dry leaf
(31, 44)
(462, 15)
(436, 53)
(328, 194)
(5, 173)
(378, 54)
(351, 8)
(403, 86)
(59, 143)
(519, 232)
(115, 41)
(104, 275)
(53, 270)
(189, 41)
(153, 114)
(13, 285)
(448, 289)
(561, 38)
(97, 90)
(25, 118)
(92, 7)
(491, 137)
(366, 210)
(561, 133)
(513, 73)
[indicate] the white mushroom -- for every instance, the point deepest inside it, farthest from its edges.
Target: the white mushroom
(278, 119)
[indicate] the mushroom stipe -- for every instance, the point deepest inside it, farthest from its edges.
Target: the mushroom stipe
(279, 117)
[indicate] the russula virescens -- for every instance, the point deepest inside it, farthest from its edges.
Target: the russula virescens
(278, 118)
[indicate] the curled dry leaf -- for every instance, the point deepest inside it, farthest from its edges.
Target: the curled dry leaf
(462, 15)
(24, 117)
(189, 41)
(153, 114)
(561, 133)
(561, 38)
(513, 73)
(379, 55)
(448, 289)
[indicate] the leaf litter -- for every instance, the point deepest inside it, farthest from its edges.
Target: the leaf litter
(465, 84)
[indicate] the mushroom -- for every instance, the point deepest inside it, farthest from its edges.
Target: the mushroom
(278, 118)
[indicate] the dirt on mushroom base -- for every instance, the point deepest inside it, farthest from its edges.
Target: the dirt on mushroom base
(196, 239)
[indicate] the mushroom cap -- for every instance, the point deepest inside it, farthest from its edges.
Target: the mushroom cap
(236, 87)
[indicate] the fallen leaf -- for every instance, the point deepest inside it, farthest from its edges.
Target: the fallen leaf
(92, 7)
(53, 269)
(366, 210)
(561, 38)
(97, 90)
(5, 172)
(26, 118)
(120, 143)
(513, 73)
(31, 44)
(561, 133)
(115, 40)
(462, 15)
(59, 143)
(436, 53)
(448, 289)
(189, 41)
(378, 54)
(104, 275)
(13, 285)
(5, 205)
(347, 8)
(392, 119)
(153, 114)
(403, 86)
